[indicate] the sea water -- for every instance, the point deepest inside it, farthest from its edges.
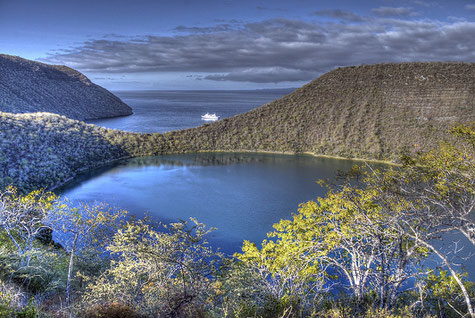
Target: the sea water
(162, 111)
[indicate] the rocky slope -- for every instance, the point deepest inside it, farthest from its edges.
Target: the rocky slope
(369, 112)
(29, 86)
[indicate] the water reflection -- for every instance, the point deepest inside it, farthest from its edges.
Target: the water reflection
(242, 194)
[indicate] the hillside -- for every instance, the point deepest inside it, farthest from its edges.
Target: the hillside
(371, 111)
(368, 112)
(29, 86)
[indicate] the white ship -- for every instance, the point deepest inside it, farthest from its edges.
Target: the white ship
(209, 116)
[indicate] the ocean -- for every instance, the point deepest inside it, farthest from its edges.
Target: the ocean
(162, 111)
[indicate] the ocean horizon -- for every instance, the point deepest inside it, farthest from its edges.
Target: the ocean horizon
(159, 111)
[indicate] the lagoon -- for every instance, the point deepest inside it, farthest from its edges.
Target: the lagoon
(241, 194)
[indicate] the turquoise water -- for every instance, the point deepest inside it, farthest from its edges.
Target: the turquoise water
(241, 195)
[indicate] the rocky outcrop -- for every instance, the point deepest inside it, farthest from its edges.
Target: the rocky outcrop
(28, 86)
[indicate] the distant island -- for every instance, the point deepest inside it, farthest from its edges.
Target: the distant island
(377, 111)
(27, 86)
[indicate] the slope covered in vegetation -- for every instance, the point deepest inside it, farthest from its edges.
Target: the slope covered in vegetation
(40, 150)
(369, 240)
(29, 86)
(360, 251)
(369, 112)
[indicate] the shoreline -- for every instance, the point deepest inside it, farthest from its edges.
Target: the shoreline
(386, 162)
(287, 153)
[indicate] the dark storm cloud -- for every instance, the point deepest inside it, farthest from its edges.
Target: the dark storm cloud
(277, 50)
(393, 11)
(340, 14)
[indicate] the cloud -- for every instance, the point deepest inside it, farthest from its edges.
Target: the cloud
(264, 75)
(456, 19)
(276, 50)
(423, 3)
(262, 8)
(228, 21)
(114, 35)
(217, 28)
(340, 14)
(104, 78)
(470, 7)
(393, 11)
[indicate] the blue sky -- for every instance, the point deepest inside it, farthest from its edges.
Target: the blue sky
(228, 44)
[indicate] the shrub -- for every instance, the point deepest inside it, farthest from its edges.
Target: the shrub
(111, 310)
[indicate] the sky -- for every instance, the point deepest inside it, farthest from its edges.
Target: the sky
(232, 44)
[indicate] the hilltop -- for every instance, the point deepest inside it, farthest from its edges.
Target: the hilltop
(28, 86)
(372, 111)
(369, 112)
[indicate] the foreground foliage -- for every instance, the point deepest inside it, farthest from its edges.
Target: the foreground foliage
(371, 236)
(159, 273)
(361, 251)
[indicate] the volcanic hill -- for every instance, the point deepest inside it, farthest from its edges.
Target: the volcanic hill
(28, 86)
(369, 112)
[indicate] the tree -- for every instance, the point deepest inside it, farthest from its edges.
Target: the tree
(375, 231)
(347, 238)
(25, 217)
(164, 272)
(241, 290)
(85, 226)
(439, 187)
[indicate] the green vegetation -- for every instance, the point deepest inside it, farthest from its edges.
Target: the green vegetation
(357, 252)
(42, 150)
(351, 253)
(375, 236)
(168, 273)
(370, 112)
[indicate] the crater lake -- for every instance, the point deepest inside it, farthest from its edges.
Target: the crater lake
(240, 194)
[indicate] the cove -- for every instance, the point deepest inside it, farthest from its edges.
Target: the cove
(240, 194)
